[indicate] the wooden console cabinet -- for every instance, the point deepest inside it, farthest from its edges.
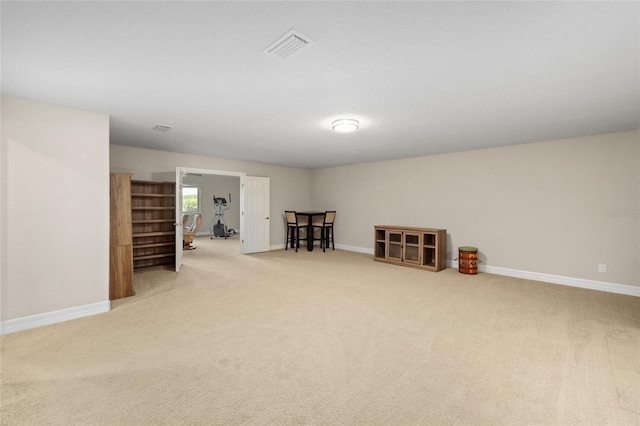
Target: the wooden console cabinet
(423, 248)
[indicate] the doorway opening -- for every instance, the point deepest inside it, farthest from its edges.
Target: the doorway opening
(248, 216)
(216, 198)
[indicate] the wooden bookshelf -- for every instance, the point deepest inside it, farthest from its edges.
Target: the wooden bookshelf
(153, 225)
(121, 241)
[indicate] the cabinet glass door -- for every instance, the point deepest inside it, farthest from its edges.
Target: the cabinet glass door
(394, 245)
(380, 243)
(411, 252)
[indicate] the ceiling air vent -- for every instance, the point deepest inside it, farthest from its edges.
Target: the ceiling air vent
(289, 44)
(162, 128)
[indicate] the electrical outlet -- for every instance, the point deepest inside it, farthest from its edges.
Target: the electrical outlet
(602, 267)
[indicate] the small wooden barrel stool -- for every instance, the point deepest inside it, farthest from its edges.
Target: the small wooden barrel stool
(468, 260)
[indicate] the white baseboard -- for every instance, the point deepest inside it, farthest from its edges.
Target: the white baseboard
(33, 321)
(625, 289)
(354, 248)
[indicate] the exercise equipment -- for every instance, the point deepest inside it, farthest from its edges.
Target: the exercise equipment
(218, 226)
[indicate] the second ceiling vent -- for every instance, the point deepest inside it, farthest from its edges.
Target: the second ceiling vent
(288, 45)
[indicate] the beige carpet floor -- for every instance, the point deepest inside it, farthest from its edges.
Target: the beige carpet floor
(330, 338)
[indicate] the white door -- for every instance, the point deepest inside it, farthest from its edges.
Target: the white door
(254, 213)
(178, 223)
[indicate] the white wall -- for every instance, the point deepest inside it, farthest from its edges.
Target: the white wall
(55, 208)
(289, 186)
(538, 207)
(557, 207)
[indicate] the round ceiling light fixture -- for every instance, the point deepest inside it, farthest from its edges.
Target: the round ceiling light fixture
(345, 125)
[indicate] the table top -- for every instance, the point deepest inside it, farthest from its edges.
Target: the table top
(311, 213)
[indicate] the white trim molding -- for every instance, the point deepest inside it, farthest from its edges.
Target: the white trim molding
(625, 289)
(38, 320)
(354, 248)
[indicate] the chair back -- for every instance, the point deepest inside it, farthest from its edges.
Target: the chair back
(185, 220)
(290, 216)
(195, 225)
(197, 219)
(329, 217)
(302, 219)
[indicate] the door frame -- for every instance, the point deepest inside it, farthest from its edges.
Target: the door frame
(212, 172)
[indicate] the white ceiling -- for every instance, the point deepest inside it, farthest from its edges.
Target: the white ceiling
(422, 77)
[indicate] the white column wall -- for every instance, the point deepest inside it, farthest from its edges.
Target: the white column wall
(55, 208)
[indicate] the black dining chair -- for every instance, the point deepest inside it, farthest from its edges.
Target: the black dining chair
(326, 229)
(294, 223)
